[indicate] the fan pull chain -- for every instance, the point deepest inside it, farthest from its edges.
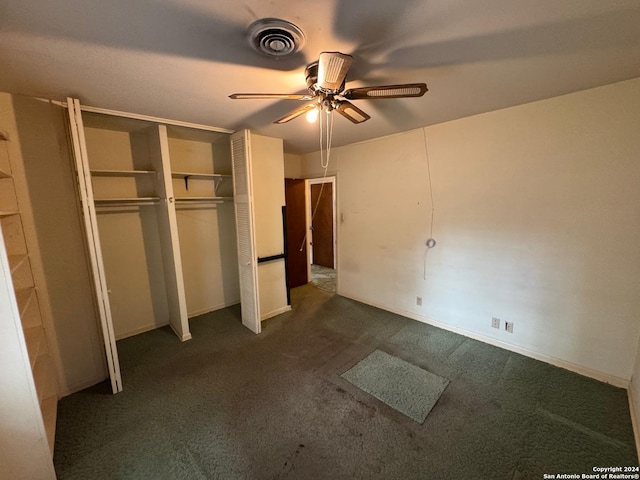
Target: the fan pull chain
(323, 164)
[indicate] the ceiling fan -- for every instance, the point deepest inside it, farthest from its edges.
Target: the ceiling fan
(326, 82)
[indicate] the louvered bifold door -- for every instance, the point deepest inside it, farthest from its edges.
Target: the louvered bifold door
(245, 229)
(93, 241)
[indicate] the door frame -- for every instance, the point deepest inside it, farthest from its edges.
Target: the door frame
(334, 204)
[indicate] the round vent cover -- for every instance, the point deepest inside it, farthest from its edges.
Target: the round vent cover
(275, 37)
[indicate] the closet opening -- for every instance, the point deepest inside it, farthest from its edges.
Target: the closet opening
(158, 209)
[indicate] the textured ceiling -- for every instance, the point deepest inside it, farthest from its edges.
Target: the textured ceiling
(181, 59)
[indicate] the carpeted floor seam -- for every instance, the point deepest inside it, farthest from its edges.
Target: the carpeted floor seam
(581, 428)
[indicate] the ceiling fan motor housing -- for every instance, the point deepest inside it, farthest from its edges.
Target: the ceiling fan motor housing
(311, 76)
(275, 38)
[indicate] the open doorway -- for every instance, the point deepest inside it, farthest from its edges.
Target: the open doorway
(311, 238)
(321, 223)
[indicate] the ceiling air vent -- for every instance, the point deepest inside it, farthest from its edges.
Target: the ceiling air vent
(275, 38)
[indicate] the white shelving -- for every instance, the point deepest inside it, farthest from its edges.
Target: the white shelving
(201, 176)
(24, 290)
(16, 261)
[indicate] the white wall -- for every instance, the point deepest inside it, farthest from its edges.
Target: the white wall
(536, 219)
(268, 190)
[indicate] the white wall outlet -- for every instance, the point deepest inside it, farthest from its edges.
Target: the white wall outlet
(495, 322)
(508, 326)
(419, 301)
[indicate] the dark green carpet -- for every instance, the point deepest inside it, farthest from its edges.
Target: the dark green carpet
(229, 404)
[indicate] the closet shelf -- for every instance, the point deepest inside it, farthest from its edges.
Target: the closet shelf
(8, 213)
(15, 261)
(120, 173)
(24, 297)
(33, 337)
(203, 176)
(44, 377)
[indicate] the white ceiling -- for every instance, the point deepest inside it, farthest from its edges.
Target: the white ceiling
(181, 59)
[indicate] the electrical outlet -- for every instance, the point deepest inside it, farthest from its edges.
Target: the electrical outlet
(508, 326)
(495, 322)
(419, 301)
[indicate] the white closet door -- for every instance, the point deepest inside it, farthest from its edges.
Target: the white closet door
(245, 229)
(93, 241)
(170, 244)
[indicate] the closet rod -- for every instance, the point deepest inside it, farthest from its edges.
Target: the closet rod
(117, 202)
(204, 199)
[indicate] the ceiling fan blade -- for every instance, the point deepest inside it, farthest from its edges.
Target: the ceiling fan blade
(332, 70)
(349, 111)
(269, 96)
(387, 91)
(297, 112)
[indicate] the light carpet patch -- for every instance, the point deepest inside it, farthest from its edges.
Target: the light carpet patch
(408, 389)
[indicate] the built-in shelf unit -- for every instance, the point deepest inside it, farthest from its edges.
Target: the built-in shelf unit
(23, 282)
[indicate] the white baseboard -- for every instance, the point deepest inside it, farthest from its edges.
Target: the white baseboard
(633, 411)
(66, 390)
(183, 337)
(275, 312)
(558, 362)
(213, 309)
(137, 331)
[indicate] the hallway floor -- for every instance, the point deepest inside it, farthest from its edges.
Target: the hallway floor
(323, 277)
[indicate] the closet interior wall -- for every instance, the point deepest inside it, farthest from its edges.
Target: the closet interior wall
(164, 202)
(125, 179)
(203, 188)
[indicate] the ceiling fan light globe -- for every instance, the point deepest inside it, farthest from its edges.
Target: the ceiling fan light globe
(312, 115)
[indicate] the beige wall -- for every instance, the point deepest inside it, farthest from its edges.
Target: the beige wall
(536, 218)
(207, 231)
(129, 236)
(292, 165)
(267, 164)
(51, 184)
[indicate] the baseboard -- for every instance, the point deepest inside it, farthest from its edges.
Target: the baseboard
(633, 411)
(138, 331)
(275, 312)
(558, 362)
(212, 309)
(70, 389)
(183, 337)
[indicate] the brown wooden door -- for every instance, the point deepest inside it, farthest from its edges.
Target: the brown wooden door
(294, 192)
(322, 224)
